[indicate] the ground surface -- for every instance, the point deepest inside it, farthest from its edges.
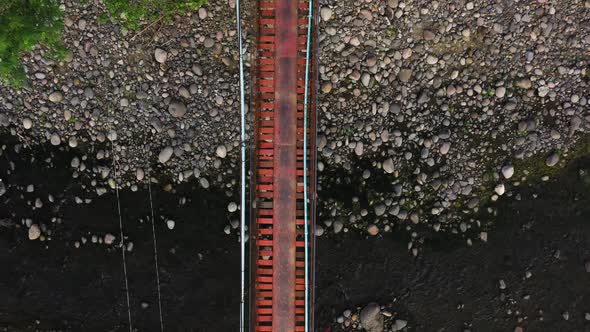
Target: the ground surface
(437, 123)
(49, 286)
(445, 101)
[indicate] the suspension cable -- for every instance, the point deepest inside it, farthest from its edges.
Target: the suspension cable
(122, 244)
(243, 175)
(305, 175)
(155, 249)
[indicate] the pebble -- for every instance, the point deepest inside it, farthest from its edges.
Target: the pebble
(543, 91)
(338, 226)
(27, 123)
(55, 139)
(109, 239)
(165, 154)
(319, 230)
(405, 75)
(177, 108)
(508, 171)
(4, 120)
(431, 59)
(34, 232)
(208, 43)
(202, 13)
(204, 183)
(358, 149)
(399, 325)
(552, 160)
(380, 209)
(232, 207)
(423, 97)
(366, 79)
(388, 166)
(445, 147)
(373, 229)
(371, 318)
(170, 224)
(73, 142)
(139, 174)
(160, 55)
(500, 189)
(221, 151)
(524, 84)
(500, 92)
(326, 13)
(56, 97)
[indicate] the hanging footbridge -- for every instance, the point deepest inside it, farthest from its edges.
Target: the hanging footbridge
(283, 103)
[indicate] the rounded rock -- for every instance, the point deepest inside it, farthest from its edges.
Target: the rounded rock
(165, 154)
(177, 109)
(326, 13)
(160, 55)
(371, 317)
(56, 97)
(500, 189)
(232, 207)
(508, 171)
(372, 229)
(170, 224)
(55, 139)
(552, 160)
(221, 151)
(388, 166)
(109, 238)
(27, 123)
(34, 232)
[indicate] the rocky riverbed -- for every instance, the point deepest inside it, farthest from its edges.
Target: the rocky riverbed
(448, 105)
(432, 117)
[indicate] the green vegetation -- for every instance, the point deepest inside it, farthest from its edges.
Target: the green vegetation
(488, 93)
(533, 168)
(132, 13)
(24, 24)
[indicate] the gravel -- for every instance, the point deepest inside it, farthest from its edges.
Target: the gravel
(434, 102)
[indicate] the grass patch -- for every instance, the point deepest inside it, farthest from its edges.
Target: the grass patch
(134, 13)
(24, 24)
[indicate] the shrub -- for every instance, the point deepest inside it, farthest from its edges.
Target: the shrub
(132, 13)
(24, 24)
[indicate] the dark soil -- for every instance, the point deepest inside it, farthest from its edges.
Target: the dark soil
(52, 286)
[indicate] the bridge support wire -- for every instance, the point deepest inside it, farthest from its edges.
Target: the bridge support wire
(242, 175)
(305, 168)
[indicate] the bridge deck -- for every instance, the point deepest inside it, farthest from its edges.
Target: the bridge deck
(277, 247)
